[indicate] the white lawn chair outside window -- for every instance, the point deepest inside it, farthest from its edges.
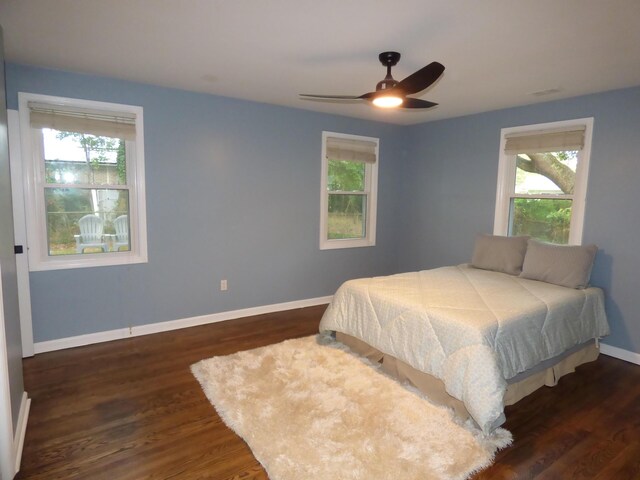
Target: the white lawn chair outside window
(91, 227)
(121, 224)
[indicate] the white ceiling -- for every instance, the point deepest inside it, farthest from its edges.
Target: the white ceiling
(496, 52)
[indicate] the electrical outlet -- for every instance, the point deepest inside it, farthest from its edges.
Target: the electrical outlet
(223, 285)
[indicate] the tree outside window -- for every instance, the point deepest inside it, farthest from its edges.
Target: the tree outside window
(548, 174)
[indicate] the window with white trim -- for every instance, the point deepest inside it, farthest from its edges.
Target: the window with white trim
(84, 182)
(542, 181)
(349, 191)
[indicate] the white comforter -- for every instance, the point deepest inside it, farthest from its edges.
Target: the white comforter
(470, 328)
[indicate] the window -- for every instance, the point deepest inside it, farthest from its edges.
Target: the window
(84, 182)
(542, 181)
(349, 191)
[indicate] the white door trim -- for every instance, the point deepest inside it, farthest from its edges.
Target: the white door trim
(11, 442)
(20, 232)
(7, 464)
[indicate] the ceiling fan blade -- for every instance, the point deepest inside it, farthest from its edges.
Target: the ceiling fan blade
(368, 95)
(416, 103)
(421, 79)
(330, 97)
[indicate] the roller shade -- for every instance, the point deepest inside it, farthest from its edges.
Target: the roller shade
(349, 150)
(545, 141)
(93, 122)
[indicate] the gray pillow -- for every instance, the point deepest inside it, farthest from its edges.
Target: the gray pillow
(501, 254)
(566, 265)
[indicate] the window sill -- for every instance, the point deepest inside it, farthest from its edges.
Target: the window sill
(346, 243)
(87, 261)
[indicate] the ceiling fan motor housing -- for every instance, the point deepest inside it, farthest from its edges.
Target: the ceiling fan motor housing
(388, 59)
(386, 84)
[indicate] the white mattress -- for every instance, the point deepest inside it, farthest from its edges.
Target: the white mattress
(471, 328)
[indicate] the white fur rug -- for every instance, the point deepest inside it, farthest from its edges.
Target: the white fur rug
(317, 411)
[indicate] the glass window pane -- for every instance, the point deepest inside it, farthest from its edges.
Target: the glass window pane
(346, 216)
(74, 158)
(546, 173)
(66, 207)
(546, 219)
(346, 176)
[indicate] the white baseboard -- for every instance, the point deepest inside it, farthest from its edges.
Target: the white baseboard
(620, 353)
(21, 429)
(136, 331)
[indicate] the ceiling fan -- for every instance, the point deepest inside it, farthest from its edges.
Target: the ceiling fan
(391, 93)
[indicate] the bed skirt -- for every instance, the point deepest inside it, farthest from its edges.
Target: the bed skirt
(546, 374)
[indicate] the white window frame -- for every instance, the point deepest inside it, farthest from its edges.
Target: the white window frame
(371, 191)
(34, 182)
(507, 171)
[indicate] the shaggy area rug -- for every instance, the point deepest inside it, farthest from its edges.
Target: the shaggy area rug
(310, 409)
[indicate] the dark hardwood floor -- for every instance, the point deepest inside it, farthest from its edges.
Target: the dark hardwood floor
(131, 409)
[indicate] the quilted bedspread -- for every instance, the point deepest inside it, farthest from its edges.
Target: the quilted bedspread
(471, 328)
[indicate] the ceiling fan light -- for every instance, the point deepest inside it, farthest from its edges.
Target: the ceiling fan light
(387, 101)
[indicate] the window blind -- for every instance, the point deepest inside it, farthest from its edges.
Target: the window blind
(349, 150)
(545, 141)
(92, 122)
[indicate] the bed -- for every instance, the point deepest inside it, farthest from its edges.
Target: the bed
(473, 338)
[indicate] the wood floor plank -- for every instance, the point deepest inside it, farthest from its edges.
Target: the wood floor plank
(132, 410)
(625, 466)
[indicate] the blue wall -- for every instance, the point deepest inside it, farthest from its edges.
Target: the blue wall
(233, 191)
(449, 188)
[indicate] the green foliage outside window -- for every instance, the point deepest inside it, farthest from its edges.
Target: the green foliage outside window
(346, 211)
(542, 218)
(346, 176)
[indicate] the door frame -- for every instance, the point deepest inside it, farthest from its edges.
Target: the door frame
(6, 424)
(11, 439)
(20, 232)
